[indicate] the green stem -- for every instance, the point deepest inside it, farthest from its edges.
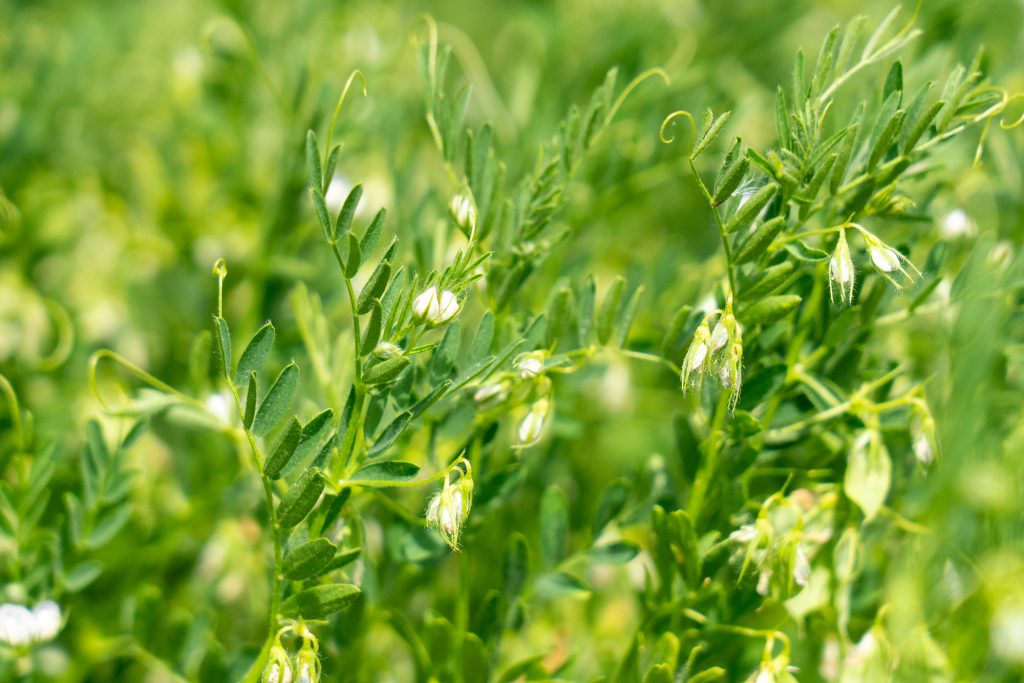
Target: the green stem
(716, 438)
(721, 227)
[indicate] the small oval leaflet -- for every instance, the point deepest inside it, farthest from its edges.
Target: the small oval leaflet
(386, 370)
(770, 309)
(320, 601)
(284, 450)
(395, 470)
(301, 498)
(255, 353)
(309, 559)
(277, 401)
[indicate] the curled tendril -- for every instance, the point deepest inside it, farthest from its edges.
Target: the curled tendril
(1006, 104)
(65, 334)
(670, 119)
(135, 370)
(656, 71)
(341, 102)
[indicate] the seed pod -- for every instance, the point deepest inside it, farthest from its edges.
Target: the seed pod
(386, 371)
(760, 240)
(301, 498)
(770, 309)
(769, 280)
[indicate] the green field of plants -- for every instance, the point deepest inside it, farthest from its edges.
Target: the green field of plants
(671, 341)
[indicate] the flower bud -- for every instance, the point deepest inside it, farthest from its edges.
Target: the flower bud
(922, 436)
(463, 211)
(529, 365)
(694, 363)
(279, 667)
(491, 394)
(531, 426)
(47, 619)
(307, 666)
(17, 625)
(449, 508)
(888, 262)
(435, 307)
(841, 271)
(386, 350)
(801, 566)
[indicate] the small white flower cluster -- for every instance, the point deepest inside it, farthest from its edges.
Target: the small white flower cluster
(435, 307)
(449, 508)
(304, 667)
(718, 350)
(888, 262)
(21, 626)
(534, 389)
(785, 537)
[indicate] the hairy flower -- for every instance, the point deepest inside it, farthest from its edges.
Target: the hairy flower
(434, 306)
(531, 425)
(841, 271)
(279, 666)
(529, 365)
(695, 361)
(463, 211)
(888, 262)
(449, 508)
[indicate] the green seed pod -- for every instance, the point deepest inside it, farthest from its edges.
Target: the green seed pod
(770, 309)
(746, 214)
(301, 498)
(760, 240)
(386, 371)
(309, 559)
(770, 279)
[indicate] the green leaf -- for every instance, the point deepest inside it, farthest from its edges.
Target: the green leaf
(374, 287)
(516, 565)
(613, 500)
(372, 235)
(320, 206)
(733, 170)
(770, 309)
(344, 557)
(394, 470)
(352, 257)
(250, 401)
(255, 353)
(770, 279)
(670, 343)
(609, 310)
(277, 401)
(805, 252)
(436, 393)
(618, 552)
(284, 450)
(108, 525)
(868, 473)
(348, 210)
(709, 136)
(554, 526)
(746, 214)
(320, 601)
(81, 575)
(301, 498)
(309, 559)
(386, 370)
(562, 584)
(390, 434)
(482, 338)
(371, 335)
(624, 320)
(223, 346)
(658, 673)
(316, 173)
(588, 299)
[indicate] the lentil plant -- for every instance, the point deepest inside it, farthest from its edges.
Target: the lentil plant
(500, 423)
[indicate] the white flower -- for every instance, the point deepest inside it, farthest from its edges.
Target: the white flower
(17, 625)
(801, 567)
(841, 271)
(531, 426)
(219, 406)
(463, 210)
(699, 354)
(279, 668)
(47, 620)
(449, 508)
(745, 534)
(529, 367)
(435, 307)
(20, 626)
(884, 258)
(491, 393)
(956, 224)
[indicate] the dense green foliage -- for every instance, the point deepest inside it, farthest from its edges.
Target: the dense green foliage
(565, 341)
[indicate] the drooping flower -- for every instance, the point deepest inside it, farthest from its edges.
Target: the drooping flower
(694, 363)
(841, 271)
(529, 365)
(463, 210)
(279, 666)
(20, 626)
(888, 262)
(434, 306)
(531, 425)
(449, 508)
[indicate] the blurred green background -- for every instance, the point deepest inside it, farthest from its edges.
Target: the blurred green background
(140, 141)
